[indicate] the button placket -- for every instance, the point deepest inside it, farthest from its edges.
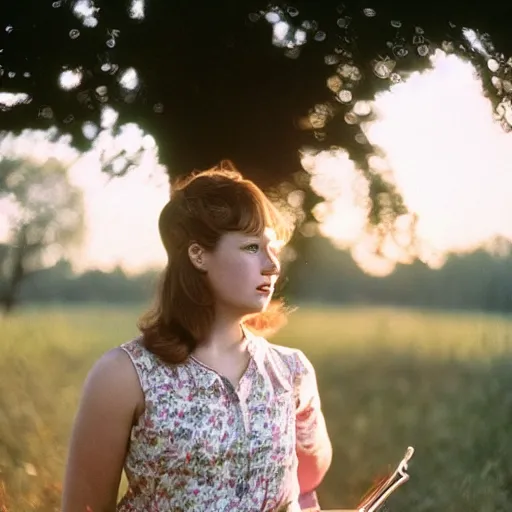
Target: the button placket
(239, 397)
(242, 486)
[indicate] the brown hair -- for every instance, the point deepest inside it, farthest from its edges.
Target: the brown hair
(204, 206)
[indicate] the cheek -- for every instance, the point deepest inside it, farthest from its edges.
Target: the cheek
(229, 277)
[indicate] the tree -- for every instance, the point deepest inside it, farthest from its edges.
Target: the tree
(227, 80)
(43, 216)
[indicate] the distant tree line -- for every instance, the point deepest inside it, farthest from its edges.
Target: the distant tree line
(476, 281)
(60, 284)
(473, 281)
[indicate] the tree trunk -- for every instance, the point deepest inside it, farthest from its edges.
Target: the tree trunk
(8, 301)
(9, 298)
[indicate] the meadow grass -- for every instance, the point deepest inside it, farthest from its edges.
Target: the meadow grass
(389, 378)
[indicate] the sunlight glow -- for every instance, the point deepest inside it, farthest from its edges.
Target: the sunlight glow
(475, 41)
(9, 100)
(122, 215)
(90, 130)
(108, 117)
(137, 9)
(450, 160)
(280, 31)
(83, 8)
(86, 11)
(129, 80)
(70, 79)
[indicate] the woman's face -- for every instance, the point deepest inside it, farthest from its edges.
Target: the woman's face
(242, 271)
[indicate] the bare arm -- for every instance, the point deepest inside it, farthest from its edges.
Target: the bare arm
(314, 448)
(101, 431)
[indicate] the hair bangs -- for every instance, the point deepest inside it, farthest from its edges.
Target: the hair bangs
(257, 213)
(249, 217)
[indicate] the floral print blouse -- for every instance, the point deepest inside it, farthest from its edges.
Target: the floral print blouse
(202, 445)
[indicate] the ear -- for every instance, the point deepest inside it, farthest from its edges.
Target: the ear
(197, 256)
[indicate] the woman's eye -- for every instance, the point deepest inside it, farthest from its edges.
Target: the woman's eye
(253, 247)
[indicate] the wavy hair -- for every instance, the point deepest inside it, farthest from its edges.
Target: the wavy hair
(204, 206)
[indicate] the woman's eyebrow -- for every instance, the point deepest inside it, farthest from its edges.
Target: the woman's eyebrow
(251, 237)
(265, 239)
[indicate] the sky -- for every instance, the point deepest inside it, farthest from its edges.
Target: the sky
(121, 214)
(451, 162)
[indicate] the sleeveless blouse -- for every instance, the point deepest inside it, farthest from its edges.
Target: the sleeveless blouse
(202, 445)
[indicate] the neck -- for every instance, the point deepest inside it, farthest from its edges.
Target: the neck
(224, 336)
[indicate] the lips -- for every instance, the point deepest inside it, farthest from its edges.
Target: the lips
(266, 288)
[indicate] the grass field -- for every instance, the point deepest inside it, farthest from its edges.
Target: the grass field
(388, 378)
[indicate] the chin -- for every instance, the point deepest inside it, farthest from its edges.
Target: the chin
(252, 306)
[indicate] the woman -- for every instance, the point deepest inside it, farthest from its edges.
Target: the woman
(202, 412)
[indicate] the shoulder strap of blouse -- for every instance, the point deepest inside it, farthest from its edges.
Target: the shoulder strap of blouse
(142, 359)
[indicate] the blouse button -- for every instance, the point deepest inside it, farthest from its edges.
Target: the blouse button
(241, 489)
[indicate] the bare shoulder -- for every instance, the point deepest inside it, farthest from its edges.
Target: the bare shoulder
(113, 366)
(114, 379)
